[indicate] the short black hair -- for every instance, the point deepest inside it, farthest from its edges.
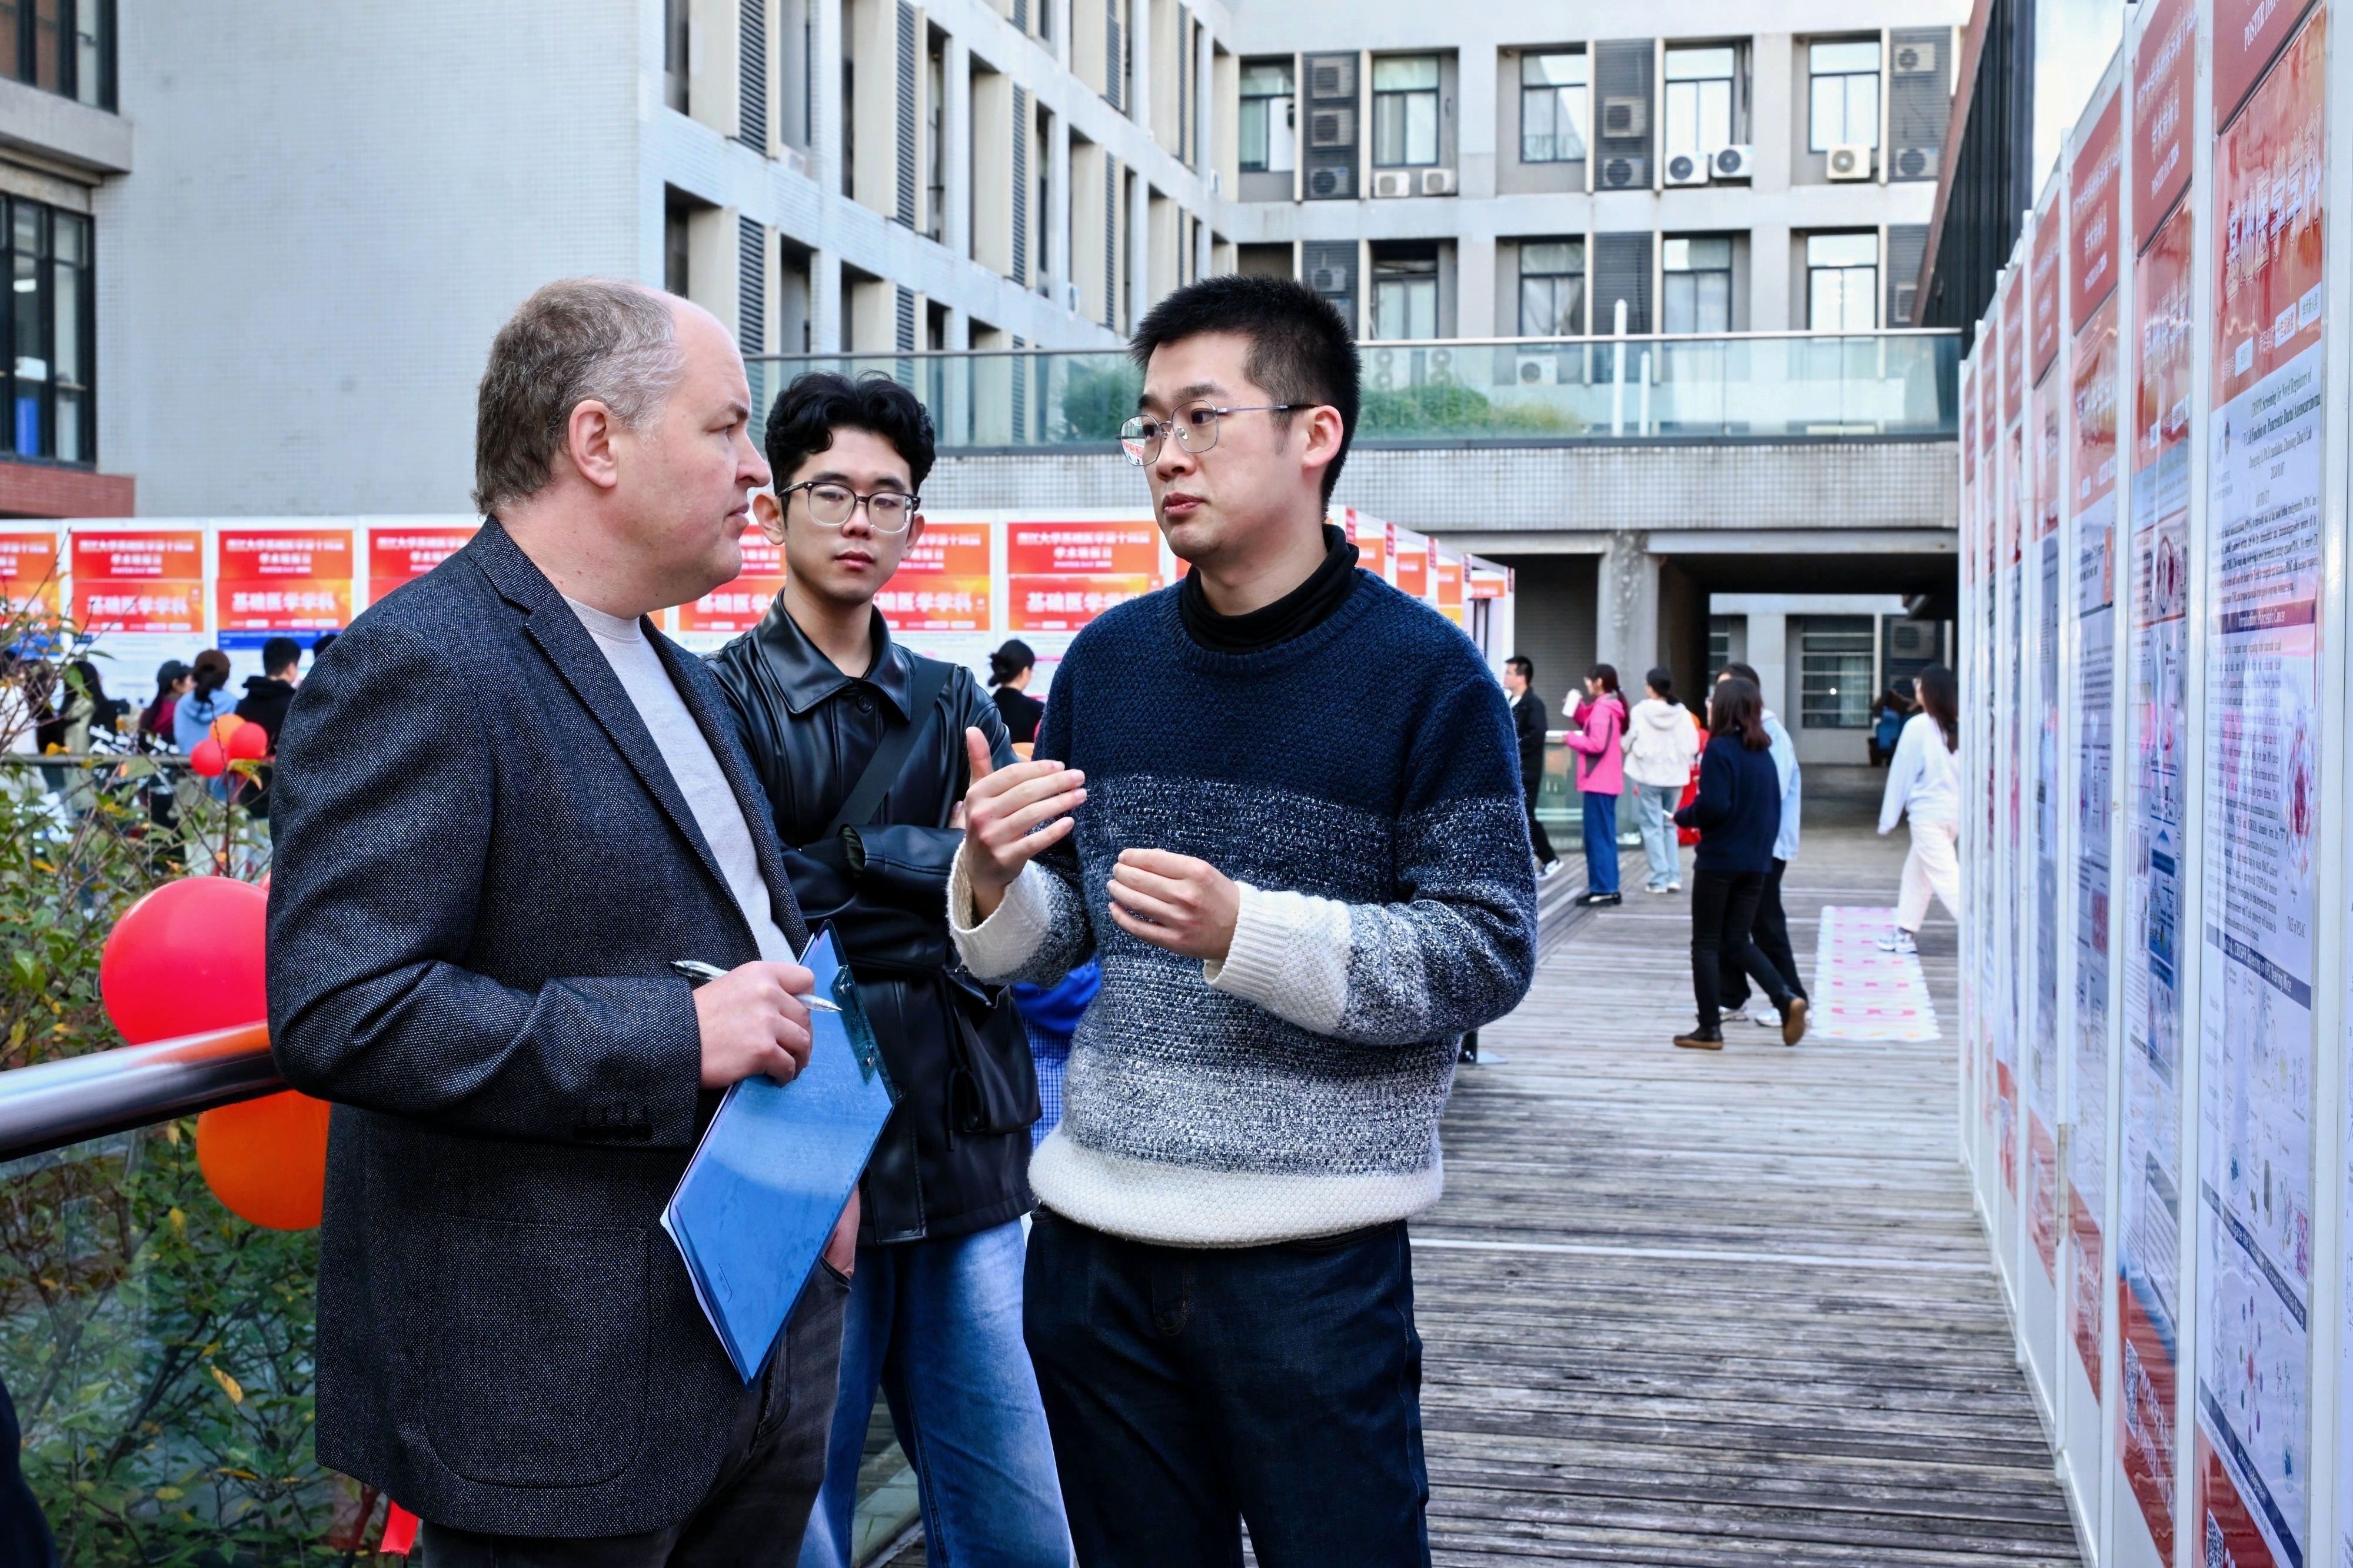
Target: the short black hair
(1735, 670)
(1525, 665)
(1300, 348)
(279, 653)
(818, 403)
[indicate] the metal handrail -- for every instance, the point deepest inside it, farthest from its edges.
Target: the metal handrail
(1601, 340)
(51, 1104)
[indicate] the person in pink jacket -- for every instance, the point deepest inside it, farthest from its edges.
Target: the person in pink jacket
(1600, 780)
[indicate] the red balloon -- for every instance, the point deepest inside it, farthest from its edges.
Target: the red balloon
(210, 758)
(266, 1160)
(185, 959)
(249, 742)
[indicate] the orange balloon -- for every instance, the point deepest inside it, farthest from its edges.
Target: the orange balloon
(224, 726)
(266, 1160)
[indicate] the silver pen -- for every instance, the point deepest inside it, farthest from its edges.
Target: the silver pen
(697, 973)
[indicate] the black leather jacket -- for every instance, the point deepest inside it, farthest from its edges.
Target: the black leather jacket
(810, 730)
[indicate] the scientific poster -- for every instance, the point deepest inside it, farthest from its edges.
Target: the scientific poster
(2095, 468)
(2148, 1262)
(2261, 785)
(2043, 736)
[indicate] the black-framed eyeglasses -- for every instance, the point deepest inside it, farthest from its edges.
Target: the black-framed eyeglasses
(1194, 427)
(887, 511)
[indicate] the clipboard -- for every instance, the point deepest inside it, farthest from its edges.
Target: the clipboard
(760, 1198)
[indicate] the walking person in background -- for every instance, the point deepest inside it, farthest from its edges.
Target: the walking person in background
(1887, 717)
(1528, 722)
(1600, 779)
(1924, 782)
(191, 722)
(1771, 930)
(1661, 742)
(1738, 813)
(173, 681)
(267, 698)
(1009, 669)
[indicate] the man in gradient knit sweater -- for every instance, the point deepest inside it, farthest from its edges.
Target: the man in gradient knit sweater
(1286, 818)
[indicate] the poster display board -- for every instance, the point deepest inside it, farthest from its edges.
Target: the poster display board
(399, 553)
(1061, 575)
(2262, 783)
(2043, 1110)
(737, 606)
(282, 580)
(32, 578)
(943, 584)
(139, 580)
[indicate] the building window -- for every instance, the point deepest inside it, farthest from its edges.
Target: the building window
(64, 47)
(1834, 663)
(674, 56)
(1267, 111)
(1405, 297)
(1719, 646)
(50, 331)
(1552, 108)
(1841, 282)
(1845, 102)
(1551, 287)
(1405, 111)
(1696, 291)
(1699, 100)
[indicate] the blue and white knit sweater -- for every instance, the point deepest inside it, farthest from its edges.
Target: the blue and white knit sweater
(1362, 783)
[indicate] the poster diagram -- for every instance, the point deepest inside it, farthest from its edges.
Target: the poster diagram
(2261, 784)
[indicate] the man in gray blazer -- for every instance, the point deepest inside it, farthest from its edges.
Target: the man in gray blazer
(504, 804)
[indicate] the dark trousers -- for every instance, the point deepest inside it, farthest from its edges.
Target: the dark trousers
(759, 1502)
(1770, 935)
(1538, 839)
(1191, 1389)
(1724, 913)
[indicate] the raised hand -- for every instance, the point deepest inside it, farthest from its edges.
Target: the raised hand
(1011, 814)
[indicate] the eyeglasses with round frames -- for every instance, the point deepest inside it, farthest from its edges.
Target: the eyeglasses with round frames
(1194, 427)
(887, 511)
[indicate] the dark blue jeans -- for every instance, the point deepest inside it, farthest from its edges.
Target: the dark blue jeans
(1191, 1389)
(1600, 815)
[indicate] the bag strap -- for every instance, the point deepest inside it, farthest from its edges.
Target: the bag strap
(882, 768)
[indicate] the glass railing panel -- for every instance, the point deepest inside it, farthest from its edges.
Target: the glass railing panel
(1763, 385)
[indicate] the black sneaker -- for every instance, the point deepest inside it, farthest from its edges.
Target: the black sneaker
(1597, 900)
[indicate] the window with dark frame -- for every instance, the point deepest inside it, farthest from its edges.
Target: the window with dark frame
(1265, 138)
(1695, 285)
(51, 333)
(1843, 84)
(1702, 109)
(1405, 111)
(1551, 287)
(1835, 655)
(1552, 107)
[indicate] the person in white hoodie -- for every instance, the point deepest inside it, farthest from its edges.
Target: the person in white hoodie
(1924, 780)
(1661, 742)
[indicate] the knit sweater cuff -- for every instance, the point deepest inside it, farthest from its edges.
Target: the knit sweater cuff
(996, 948)
(1290, 955)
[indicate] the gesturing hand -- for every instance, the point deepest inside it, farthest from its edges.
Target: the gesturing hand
(753, 1021)
(1002, 809)
(1175, 901)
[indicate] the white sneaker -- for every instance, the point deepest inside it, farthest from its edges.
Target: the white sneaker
(1549, 868)
(1740, 1014)
(1674, 887)
(1768, 1019)
(1897, 940)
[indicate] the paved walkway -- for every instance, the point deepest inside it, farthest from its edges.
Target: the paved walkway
(1697, 1310)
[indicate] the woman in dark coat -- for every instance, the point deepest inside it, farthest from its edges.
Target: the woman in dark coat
(1009, 669)
(1739, 813)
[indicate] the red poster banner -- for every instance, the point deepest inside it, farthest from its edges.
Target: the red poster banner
(2043, 257)
(2247, 33)
(31, 582)
(1412, 578)
(1450, 588)
(1489, 583)
(1988, 383)
(943, 582)
(737, 606)
(399, 555)
(2161, 306)
(139, 580)
(2044, 436)
(2012, 306)
(283, 579)
(2267, 192)
(1370, 535)
(2091, 212)
(2144, 1418)
(1061, 575)
(2165, 65)
(2096, 407)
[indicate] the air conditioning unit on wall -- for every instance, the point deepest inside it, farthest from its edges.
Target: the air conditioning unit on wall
(1392, 182)
(1438, 181)
(1625, 117)
(1917, 162)
(1686, 169)
(1733, 162)
(1850, 160)
(1330, 182)
(1624, 174)
(1538, 370)
(1914, 59)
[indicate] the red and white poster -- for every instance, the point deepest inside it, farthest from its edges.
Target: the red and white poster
(943, 582)
(139, 580)
(1061, 575)
(399, 555)
(2043, 296)
(1411, 573)
(1370, 535)
(737, 606)
(2092, 208)
(1448, 574)
(2247, 35)
(32, 580)
(2262, 783)
(2165, 69)
(2013, 346)
(283, 579)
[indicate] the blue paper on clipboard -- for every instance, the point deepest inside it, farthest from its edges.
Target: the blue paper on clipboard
(777, 1163)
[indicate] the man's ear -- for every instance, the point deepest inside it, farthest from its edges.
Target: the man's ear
(769, 517)
(1324, 429)
(914, 532)
(589, 442)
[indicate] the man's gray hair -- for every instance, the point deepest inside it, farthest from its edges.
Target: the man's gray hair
(576, 341)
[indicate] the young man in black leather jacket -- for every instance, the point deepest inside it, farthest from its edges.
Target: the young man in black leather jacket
(819, 689)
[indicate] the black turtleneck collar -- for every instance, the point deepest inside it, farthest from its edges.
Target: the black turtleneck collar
(1301, 610)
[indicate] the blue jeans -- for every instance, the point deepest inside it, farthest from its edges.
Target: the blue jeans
(1193, 1389)
(1654, 809)
(1600, 815)
(938, 1325)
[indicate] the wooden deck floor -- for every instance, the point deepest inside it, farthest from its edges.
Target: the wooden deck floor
(1697, 1310)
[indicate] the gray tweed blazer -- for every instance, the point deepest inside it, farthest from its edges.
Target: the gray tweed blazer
(482, 871)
